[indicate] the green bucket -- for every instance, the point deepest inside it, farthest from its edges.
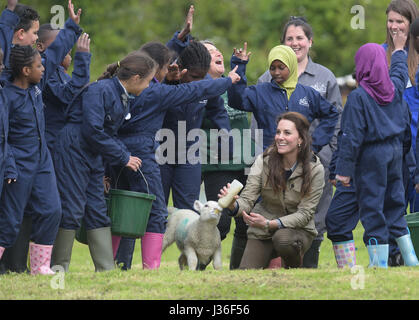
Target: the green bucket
(129, 212)
(412, 220)
(414, 233)
(412, 217)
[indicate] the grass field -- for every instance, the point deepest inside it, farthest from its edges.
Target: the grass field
(169, 283)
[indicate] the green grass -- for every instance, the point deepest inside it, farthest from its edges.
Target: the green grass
(169, 283)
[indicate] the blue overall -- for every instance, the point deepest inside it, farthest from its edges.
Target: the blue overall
(411, 96)
(183, 175)
(87, 141)
(267, 101)
(8, 22)
(371, 152)
(139, 135)
(4, 129)
(60, 91)
(343, 214)
(29, 160)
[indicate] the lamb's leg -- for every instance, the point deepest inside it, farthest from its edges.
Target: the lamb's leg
(217, 263)
(182, 261)
(168, 239)
(191, 257)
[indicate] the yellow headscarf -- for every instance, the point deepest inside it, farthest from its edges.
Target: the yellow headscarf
(286, 55)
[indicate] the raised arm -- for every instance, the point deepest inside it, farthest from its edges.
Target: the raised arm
(62, 44)
(240, 96)
(8, 22)
(181, 39)
(65, 91)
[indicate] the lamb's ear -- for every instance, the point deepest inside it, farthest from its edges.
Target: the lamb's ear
(197, 205)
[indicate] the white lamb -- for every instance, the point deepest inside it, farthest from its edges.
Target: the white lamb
(196, 235)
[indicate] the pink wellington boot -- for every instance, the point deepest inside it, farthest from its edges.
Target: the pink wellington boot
(40, 256)
(116, 240)
(1, 251)
(276, 263)
(151, 246)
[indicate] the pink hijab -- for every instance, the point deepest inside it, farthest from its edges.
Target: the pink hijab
(372, 73)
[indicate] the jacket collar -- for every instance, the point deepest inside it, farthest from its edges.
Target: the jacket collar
(310, 68)
(298, 172)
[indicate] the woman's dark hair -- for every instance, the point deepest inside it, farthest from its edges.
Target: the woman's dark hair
(20, 57)
(298, 22)
(195, 57)
(409, 10)
(44, 32)
(276, 172)
(158, 51)
(27, 16)
(135, 63)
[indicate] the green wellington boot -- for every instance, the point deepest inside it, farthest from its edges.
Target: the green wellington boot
(63, 246)
(100, 247)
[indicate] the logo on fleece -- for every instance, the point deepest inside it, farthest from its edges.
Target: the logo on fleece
(320, 87)
(304, 102)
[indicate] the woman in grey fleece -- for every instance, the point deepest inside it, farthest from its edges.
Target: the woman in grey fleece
(298, 35)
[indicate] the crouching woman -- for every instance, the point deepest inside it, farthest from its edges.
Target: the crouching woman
(289, 179)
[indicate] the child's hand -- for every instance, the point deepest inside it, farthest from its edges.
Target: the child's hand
(242, 53)
(175, 74)
(73, 16)
(83, 44)
(11, 5)
(188, 24)
(134, 163)
(399, 40)
(344, 180)
(234, 76)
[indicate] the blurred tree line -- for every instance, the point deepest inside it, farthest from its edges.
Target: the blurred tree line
(118, 27)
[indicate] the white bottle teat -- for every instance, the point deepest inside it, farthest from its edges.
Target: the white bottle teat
(234, 189)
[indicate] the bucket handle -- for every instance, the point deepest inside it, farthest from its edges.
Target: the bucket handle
(145, 180)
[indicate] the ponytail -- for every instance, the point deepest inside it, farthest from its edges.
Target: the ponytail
(133, 64)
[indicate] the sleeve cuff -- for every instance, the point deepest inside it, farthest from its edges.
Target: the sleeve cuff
(345, 168)
(235, 211)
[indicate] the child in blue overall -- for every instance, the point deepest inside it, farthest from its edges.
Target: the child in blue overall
(29, 162)
(19, 25)
(8, 22)
(182, 172)
(58, 93)
(414, 32)
(374, 123)
(343, 216)
(139, 135)
(4, 130)
(87, 141)
(268, 100)
(61, 87)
